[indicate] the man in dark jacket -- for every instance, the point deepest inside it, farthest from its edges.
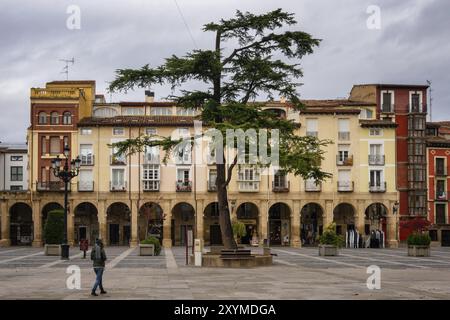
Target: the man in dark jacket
(98, 256)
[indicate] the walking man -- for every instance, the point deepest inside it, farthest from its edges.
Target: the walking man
(98, 256)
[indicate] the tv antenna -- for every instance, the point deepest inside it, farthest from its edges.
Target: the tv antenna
(66, 68)
(431, 100)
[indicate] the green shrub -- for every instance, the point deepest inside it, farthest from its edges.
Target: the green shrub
(155, 242)
(54, 227)
(329, 237)
(419, 239)
(239, 229)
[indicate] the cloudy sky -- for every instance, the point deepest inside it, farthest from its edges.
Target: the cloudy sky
(411, 46)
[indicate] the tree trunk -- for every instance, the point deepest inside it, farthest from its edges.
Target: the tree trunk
(224, 212)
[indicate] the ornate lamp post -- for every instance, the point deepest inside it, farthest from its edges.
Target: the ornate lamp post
(65, 174)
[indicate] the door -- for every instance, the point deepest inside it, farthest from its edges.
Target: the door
(82, 233)
(184, 229)
(275, 232)
(114, 234)
(446, 238)
(215, 235)
(14, 234)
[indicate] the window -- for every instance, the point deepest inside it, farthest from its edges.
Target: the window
(54, 118)
(86, 154)
(248, 174)
(152, 154)
(183, 175)
(43, 146)
(344, 129)
(440, 213)
(387, 101)
(118, 131)
(185, 112)
(151, 131)
(105, 112)
(133, 111)
(440, 167)
(212, 179)
(344, 183)
(16, 158)
(366, 114)
(16, 188)
(86, 181)
(312, 128)
(44, 174)
(440, 190)
(183, 153)
(42, 118)
(86, 131)
(150, 177)
(66, 141)
(55, 146)
(118, 179)
(161, 111)
(280, 179)
(375, 132)
(118, 159)
(67, 118)
(343, 153)
(16, 173)
(376, 178)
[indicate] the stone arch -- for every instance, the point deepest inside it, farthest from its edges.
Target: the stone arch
(279, 224)
(211, 228)
(49, 206)
(21, 224)
(118, 218)
(375, 217)
(183, 221)
(86, 223)
(311, 223)
(344, 215)
(151, 220)
(248, 213)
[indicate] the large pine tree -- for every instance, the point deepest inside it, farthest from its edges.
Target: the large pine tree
(236, 77)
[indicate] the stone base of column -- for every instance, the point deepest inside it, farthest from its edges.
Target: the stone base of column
(392, 243)
(167, 243)
(296, 243)
(37, 243)
(134, 243)
(5, 243)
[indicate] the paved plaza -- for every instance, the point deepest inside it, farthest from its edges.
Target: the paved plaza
(26, 273)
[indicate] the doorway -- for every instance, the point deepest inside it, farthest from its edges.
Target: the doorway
(445, 238)
(114, 237)
(82, 233)
(126, 235)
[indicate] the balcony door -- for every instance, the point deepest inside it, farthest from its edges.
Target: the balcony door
(86, 154)
(376, 177)
(118, 179)
(86, 179)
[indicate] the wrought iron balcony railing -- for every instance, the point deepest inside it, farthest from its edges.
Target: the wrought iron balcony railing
(348, 162)
(51, 186)
(376, 160)
(184, 186)
(344, 136)
(117, 186)
(312, 186)
(151, 158)
(85, 186)
(441, 196)
(212, 187)
(345, 186)
(248, 185)
(377, 187)
(150, 185)
(118, 161)
(281, 186)
(87, 160)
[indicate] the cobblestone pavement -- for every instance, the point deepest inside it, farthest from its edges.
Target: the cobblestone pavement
(26, 273)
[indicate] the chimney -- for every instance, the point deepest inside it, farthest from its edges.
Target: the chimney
(149, 96)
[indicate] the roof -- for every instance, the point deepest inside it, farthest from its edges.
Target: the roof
(336, 103)
(152, 104)
(137, 121)
(377, 124)
(13, 147)
(436, 141)
(391, 85)
(330, 110)
(73, 82)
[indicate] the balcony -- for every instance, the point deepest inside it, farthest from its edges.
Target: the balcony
(85, 186)
(441, 196)
(87, 160)
(312, 186)
(118, 187)
(376, 160)
(184, 186)
(150, 185)
(40, 93)
(377, 188)
(281, 186)
(118, 161)
(248, 185)
(151, 158)
(418, 108)
(344, 136)
(441, 172)
(51, 186)
(344, 162)
(212, 187)
(314, 134)
(345, 186)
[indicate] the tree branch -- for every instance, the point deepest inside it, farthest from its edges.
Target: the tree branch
(230, 171)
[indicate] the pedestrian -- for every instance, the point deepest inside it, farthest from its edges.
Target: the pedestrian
(98, 256)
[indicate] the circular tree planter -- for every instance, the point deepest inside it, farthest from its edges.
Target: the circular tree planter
(326, 250)
(418, 251)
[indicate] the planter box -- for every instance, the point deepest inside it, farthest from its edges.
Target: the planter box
(418, 251)
(52, 250)
(328, 251)
(146, 249)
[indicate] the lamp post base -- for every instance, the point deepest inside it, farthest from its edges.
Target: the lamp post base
(65, 252)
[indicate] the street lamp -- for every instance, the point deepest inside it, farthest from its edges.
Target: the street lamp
(65, 174)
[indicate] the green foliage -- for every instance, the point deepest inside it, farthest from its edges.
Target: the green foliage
(239, 229)
(329, 237)
(155, 242)
(54, 227)
(419, 239)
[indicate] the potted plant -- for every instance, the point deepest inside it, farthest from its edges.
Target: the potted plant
(54, 232)
(150, 247)
(330, 241)
(419, 244)
(239, 231)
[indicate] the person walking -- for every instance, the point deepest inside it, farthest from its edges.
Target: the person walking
(98, 256)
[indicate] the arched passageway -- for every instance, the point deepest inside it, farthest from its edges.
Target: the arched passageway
(119, 224)
(247, 213)
(279, 224)
(311, 224)
(183, 221)
(21, 224)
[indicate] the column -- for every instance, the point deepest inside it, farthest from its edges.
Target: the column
(360, 217)
(167, 224)
(392, 227)
(328, 214)
(295, 225)
(5, 240)
(200, 221)
(71, 224)
(263, 221)
(134, 225)
(102, 222)
(37, 224)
